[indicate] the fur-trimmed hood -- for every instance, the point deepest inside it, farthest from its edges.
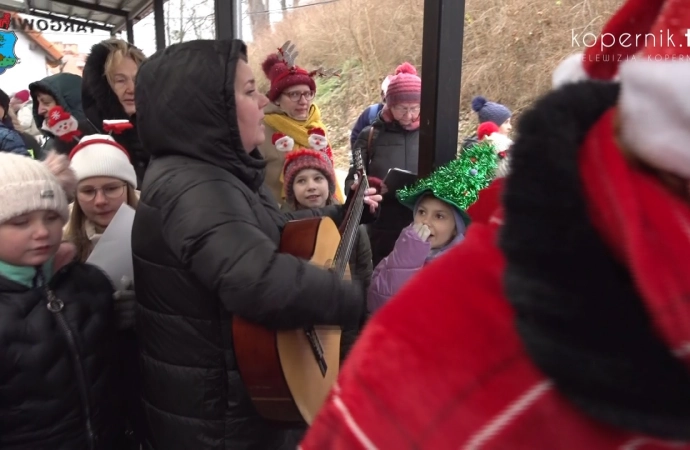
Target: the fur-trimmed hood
(100, 103)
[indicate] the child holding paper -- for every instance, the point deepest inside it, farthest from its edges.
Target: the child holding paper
(56, 319)
(106, 180)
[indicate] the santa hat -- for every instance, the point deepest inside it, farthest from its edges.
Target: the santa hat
(486, 129)
(654, 113)
(405, 86)
(616, 44)
(98, 155)
(283, 76)
(299, 160)
(28, 185)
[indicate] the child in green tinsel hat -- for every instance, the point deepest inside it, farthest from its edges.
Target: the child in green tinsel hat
(438, 203)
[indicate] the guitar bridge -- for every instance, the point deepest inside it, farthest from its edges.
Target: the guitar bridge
(316, 349)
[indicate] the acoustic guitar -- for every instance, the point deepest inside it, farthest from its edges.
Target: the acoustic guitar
(288, 374)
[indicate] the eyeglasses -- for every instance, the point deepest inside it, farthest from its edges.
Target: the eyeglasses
(295, 96)
(403, 110)
(111, 192)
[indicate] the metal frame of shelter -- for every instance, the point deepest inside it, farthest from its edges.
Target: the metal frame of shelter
(441, 53)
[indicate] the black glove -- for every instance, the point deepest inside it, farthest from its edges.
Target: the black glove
(355, 306)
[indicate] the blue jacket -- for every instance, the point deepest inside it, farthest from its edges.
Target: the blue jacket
(365, 119)
(11, 141)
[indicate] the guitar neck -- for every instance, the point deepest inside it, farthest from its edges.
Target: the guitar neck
(352, 219)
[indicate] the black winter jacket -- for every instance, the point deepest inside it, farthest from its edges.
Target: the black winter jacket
(205, 242)
(391, 146)
(45, 396)
(100, 103)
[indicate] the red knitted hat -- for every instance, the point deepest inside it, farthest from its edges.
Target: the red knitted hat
(299, 160)
(282, 77)
(405, 86)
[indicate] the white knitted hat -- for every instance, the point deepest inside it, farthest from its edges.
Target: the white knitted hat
(98, 155)
(27, 185)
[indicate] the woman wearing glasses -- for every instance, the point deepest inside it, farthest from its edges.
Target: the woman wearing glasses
(392, 141)
(290, 112)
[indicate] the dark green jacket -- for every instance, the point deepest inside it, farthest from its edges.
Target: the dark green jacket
(65, 88)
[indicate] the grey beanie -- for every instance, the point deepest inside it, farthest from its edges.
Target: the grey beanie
(490, 111)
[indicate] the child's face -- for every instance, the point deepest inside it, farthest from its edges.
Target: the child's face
(30, 239)
(100, 198)
(439, 217)
(506, 128)
(311, 188)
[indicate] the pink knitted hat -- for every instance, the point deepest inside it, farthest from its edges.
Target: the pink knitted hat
(405, 86)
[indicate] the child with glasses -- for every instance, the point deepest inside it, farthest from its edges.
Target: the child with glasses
(106, 179)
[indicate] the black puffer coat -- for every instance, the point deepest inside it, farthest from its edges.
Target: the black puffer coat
(45, 397)
(205, 242)
(100, 103)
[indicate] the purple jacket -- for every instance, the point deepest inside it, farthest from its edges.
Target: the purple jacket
(408, 256)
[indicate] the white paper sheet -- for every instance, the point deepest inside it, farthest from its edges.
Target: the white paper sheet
(113, 252)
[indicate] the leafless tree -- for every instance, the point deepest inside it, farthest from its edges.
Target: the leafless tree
(187, 19)
(258, 16)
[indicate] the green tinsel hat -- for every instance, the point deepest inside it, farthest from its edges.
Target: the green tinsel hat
(457, 183)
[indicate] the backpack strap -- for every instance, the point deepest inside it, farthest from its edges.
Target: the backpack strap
(370, 150)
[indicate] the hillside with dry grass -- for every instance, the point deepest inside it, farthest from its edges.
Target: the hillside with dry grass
(510, 50)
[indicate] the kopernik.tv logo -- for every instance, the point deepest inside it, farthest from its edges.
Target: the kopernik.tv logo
(8, 39)
(662, 39)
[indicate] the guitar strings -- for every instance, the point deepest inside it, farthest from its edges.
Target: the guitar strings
(350, 229)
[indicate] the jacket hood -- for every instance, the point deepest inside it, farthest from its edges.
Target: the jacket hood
(98, 99)
(185, 99)
(65, 88)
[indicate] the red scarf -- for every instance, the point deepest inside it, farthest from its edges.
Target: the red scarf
(647, 226)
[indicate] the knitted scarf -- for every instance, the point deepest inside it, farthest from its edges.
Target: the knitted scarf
(299, 132)
(296, 129)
